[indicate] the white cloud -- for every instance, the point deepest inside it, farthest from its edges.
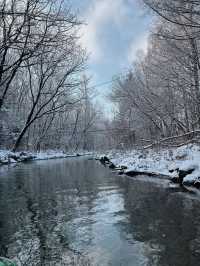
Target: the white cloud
(99, 13)
(140, 44)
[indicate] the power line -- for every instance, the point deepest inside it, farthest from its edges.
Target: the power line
(104, 83)
(109, 81)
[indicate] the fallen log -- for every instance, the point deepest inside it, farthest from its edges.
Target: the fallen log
(134, 173)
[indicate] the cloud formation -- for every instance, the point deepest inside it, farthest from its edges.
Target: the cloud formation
(102, 15)
(140, 44)
(115, 30)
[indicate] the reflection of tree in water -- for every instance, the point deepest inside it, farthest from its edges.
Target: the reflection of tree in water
(44, 205)
(167, 223)
(48, 217)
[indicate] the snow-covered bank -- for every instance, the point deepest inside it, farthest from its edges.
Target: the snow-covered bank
(166, 162)
(8, 157)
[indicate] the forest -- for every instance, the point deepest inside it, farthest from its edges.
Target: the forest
(160, 97)
(44, 97)
(46, 101)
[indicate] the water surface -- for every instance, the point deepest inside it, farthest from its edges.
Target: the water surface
(76, 212)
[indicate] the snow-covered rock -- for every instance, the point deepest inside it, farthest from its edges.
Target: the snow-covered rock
(163, 162)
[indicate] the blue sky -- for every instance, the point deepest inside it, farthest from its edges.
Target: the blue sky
(115, 30)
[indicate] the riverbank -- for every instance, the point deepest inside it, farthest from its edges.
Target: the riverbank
(7, 157)
(179, 164)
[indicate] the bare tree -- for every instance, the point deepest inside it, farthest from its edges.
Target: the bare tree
(25, 27)
(52, 82)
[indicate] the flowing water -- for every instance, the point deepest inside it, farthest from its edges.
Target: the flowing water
(76, 212)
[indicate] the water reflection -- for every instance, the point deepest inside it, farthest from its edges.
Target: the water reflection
(75, 212)
(168, 223)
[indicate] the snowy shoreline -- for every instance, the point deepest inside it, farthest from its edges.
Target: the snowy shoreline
(163, 163)
(7, 157)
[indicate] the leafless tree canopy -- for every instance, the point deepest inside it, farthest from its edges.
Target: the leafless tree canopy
(41, 86)
(160, 97)
(45, 100)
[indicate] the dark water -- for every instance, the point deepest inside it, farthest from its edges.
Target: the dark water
(76, 212)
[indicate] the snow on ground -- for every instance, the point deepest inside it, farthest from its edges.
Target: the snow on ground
(160, 161)
(51, 154)
(8, 157)
(149, 160)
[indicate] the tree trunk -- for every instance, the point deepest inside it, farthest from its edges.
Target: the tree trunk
(196, 76)
(19, 139)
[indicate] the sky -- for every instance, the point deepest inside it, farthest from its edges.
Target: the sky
(113, 33)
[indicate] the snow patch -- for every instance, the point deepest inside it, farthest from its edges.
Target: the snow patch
(163, 162)
(8, 157)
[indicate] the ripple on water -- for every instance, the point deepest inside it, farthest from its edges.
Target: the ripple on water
(76, 212)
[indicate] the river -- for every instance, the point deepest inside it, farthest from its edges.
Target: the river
(76, 212)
